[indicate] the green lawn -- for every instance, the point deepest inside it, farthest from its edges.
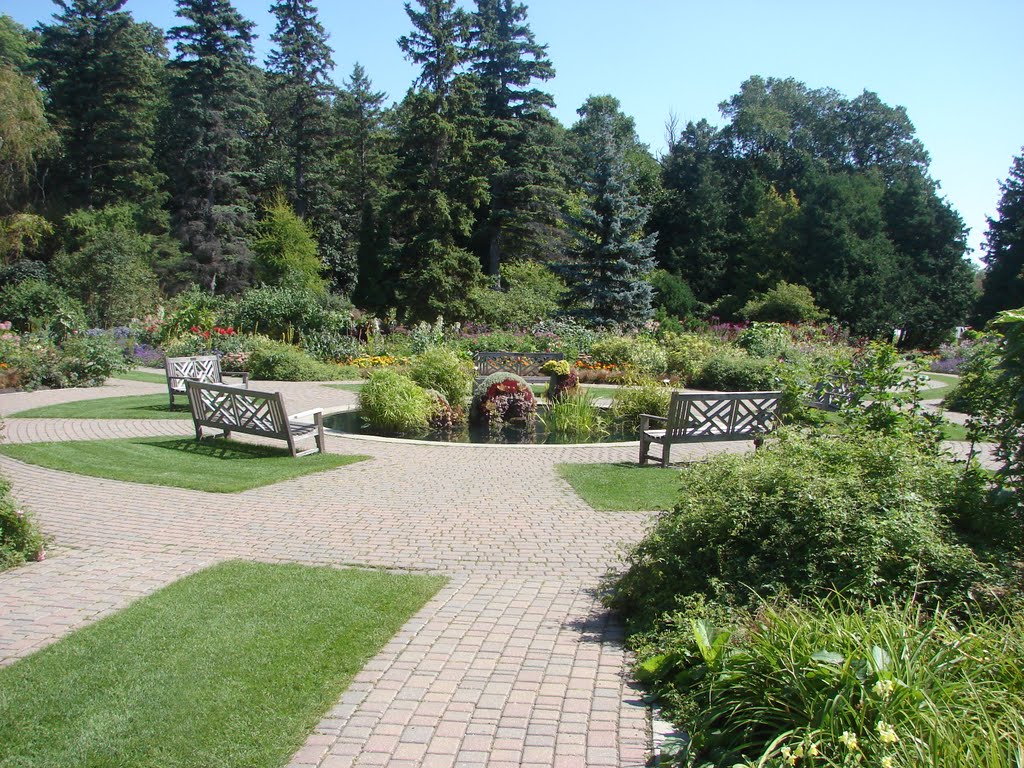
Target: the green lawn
(623, 487)
(215, 465)
(938, 393)
(354, 387)
(230, 667)
(146, 376)
(128, 407)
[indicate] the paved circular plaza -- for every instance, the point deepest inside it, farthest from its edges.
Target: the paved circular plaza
(514, 662)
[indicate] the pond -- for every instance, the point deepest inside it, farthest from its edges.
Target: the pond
(351, 422)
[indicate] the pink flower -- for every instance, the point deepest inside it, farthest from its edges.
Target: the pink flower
(41, 555)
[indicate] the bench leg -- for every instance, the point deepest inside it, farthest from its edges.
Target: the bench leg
(665, 448)
(643, 452)
(199, 432)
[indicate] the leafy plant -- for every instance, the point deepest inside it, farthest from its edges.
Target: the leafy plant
(733, 370)
(445, 370)
(272, 360)
(284, 313)
(687, 354)
(392, 402)
(35, 305)
(765, 340)
(783, 303)
(20, 539)
(637, 397)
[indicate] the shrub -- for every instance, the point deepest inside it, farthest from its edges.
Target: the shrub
(643, 355)
(503, 398)
(734, 371)
(686, 354)
(569, 337)
(672, 294)
(765, 340)
(446, 371)
(392, 402)
(276, 361)
(642, 396)
(34, 305)
(193, 308)
(528, 292)
(331, 345)
(979, 388)
(20, 539)
(838, 684)
(783, 303)
(868, 516)
(286, 314)
(87, 361)
(22, 270)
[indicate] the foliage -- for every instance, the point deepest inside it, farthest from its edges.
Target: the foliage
(284, 313)
(87, 360)
(686, 354)
(526, 293)
(979, 389)
(22, 235)
(26, 138)
(641, 354)
(870, 516)
(285, 253)
(783, 303)
(612, 256)
(106, 266)
(20, 539)
(392, 402)
(732, 371)
(1008, 425)
(1003, 286)
(193, 308)
(36, 360)
(672, 294)
(190, 679)
(640, 396)
(38, 305)
(272, 360)
(767, 340)
(575, 417)
(446, 371)
(835, 684)
(501, 399)
(330, 345)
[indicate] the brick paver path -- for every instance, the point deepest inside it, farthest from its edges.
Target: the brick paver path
(513, 663)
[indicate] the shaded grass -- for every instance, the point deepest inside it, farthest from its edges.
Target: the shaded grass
(146, 376)
(215, 465)
(623, 487)
(127, 407)
(232, 666)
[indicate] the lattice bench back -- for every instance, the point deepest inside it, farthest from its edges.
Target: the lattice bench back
(251, 412)
(525, 364)
(722, 416)
(198, 368)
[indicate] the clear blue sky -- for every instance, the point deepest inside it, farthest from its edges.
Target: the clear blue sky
(956, 66)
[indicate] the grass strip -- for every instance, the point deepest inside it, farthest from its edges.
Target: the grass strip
(623, 487)
(232, 666)
(215, 465)
(146, 376)
(126, 407)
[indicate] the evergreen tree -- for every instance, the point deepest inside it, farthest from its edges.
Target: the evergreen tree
(608, 272)
(103, 77)
(525, 187)
(214, 113)
(441, 181)
(1003, 287)
(365, 161)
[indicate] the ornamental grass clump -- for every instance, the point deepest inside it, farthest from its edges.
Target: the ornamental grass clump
(392, 402)
(504, 399)
(575, 417)
(835, 683)
(445, 370)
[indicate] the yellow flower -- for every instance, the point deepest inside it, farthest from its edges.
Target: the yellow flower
(849, 740)
(884, 688)
(886, 733)
(887, 762)
(813, 750)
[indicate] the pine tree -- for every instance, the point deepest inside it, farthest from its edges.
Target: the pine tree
(1004, 249)
(440, 175)
(526, 188)
(103, 76)
(365, 161)
(612, 258)
(214, 113)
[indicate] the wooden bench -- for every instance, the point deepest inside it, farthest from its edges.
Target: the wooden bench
(831, 395)
(708, 417)
(234, 409)
(524, 364)
(205, 368)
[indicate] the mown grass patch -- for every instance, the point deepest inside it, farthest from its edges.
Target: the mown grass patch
(144, 376)
(214, 465)
(232, 666)
(623, 487)
(126, 407)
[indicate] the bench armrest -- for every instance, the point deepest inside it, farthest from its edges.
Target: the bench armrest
(303, 414)
(647, 418)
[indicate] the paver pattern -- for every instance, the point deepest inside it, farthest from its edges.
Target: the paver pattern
(514, 662)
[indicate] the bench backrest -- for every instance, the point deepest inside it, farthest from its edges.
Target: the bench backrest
(525, 364)
(238, 409)
(720, 416)
(197, 368)
(834, 394)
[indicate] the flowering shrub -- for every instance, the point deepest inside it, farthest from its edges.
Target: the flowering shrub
(764, 340)
(20, 539)
(504, 398)
(30, 361)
